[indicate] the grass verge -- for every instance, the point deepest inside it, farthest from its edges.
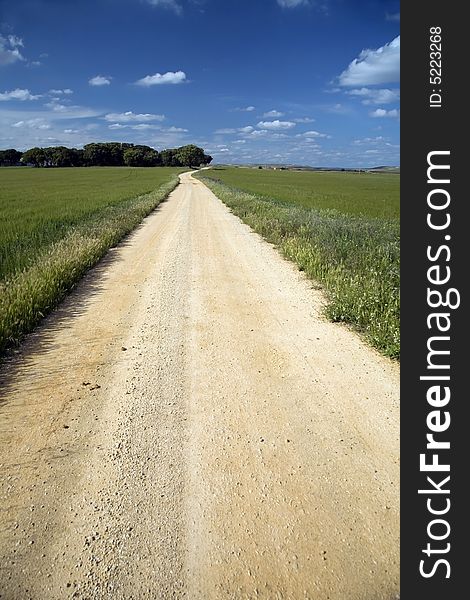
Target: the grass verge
(356, 258)
(27, 296)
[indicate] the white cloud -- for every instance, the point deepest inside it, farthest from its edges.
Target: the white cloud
(66, 91)
(376, 96)
(61, 111)
(29, 128)
(15, 41)
(176, 130)
(161, 79)
(169, 4)
(368, 140)
(291, 3)
(373, 67)
(304, 120)
(273, 125)
(245, 109)
(32, 124)
(18, 94)
(259, 133)
(56, 106)
(231, 130)
(273, 113)
(129, 117)
(381, 112)
(116, 126)
(145, 127)
(99, 80)
(9, 49)
(313, 134)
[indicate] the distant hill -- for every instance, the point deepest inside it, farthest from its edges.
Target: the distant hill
(385, 169)
(380, 169)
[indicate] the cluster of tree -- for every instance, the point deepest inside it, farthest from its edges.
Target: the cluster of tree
(107, 154)
(10, 158)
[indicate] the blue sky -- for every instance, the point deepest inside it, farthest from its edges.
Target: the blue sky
(312, 82)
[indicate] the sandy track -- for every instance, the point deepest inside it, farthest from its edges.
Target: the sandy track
(238, 445)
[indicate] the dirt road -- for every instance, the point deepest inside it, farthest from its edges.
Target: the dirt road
(187, 425)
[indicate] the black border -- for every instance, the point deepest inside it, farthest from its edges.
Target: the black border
(424, 129)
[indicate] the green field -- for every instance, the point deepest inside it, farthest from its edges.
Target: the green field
(368, 194)
(341, 228)
(56, 223)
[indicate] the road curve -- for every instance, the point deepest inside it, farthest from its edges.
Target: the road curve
(187, 425)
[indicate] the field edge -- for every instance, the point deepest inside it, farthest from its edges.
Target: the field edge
(368, 303)
(27, 297)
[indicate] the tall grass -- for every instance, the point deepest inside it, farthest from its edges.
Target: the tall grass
(39, 206)
(52, 266)
(356, 258)
(367, 194)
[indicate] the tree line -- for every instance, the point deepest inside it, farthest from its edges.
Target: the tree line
(106, 154)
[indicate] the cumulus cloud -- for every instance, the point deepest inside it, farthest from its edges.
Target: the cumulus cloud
(313, 134)
(10, 49)
(18, 94)
(259, 133)
(169, 4)
(131, 117)
(273, 113)
(162, 79)
(99, 80)
(66, 91)
(245, 109)
(373, 67)
(273, 125)
(376, 96)
(303, 120)
(381, 112)
(176, 130)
